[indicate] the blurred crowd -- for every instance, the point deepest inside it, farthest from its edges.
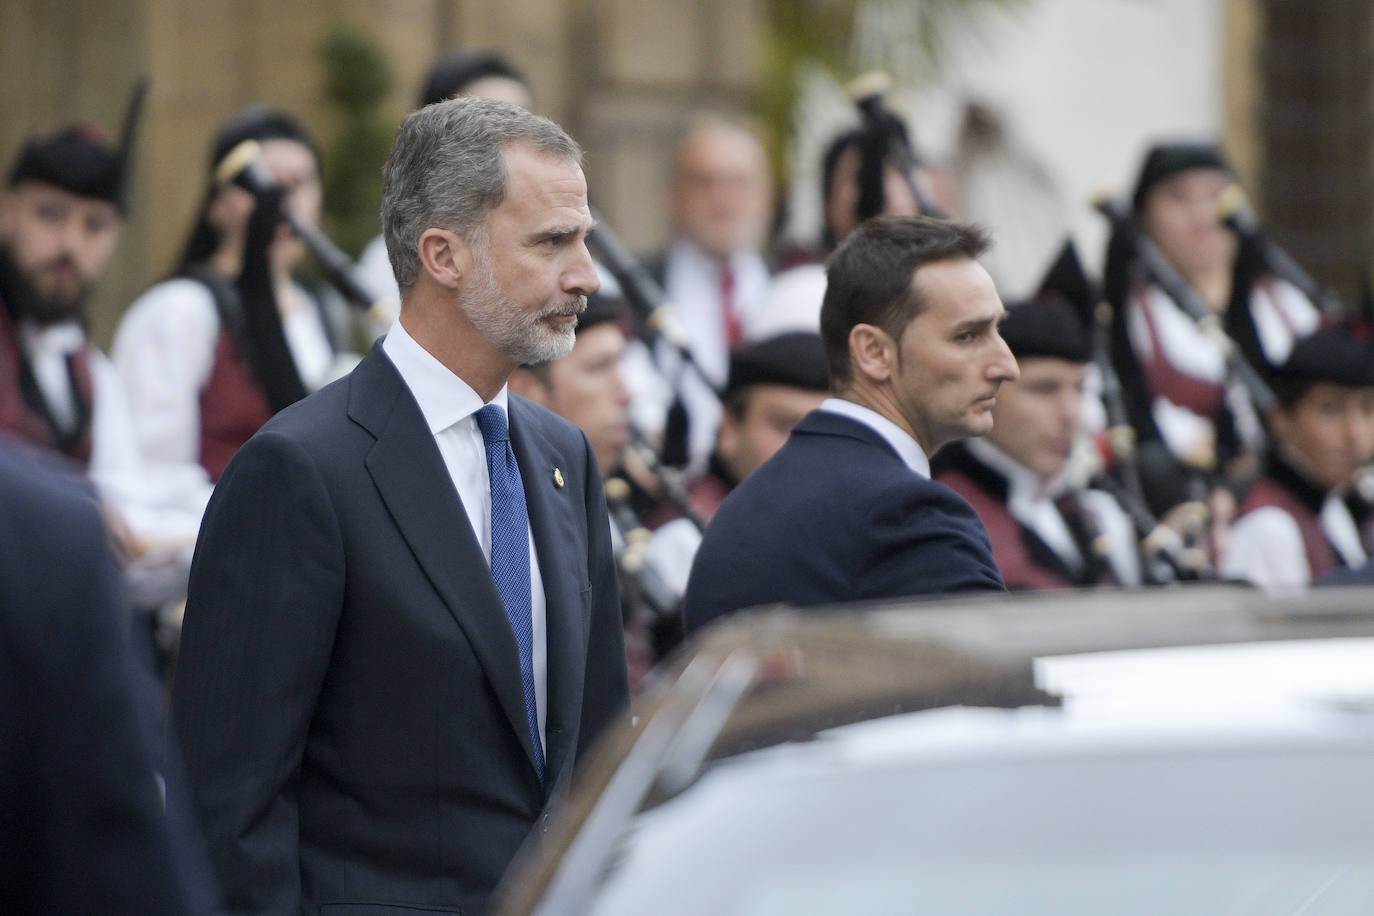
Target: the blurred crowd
(1202, 411)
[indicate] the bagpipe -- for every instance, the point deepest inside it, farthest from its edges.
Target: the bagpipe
(1233, 211)
(243, 166)
(1155, 268)
(883, 138)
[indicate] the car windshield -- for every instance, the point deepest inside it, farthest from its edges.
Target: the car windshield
(1017, 811)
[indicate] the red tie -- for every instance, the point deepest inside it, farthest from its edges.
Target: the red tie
(733, 332)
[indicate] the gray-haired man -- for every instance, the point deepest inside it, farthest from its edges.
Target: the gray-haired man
(403, 625)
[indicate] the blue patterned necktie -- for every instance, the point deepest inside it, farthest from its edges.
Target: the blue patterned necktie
(510, 555)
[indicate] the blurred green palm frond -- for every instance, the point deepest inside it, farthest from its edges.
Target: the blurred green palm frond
(357, 78)
(909, 39)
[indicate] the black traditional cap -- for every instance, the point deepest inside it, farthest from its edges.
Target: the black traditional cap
(1058, 321)
(1336, 352)
(1167, 159)
(78, 158)
(258, 122)
(457, 69)
(796, 359)
(605, 305)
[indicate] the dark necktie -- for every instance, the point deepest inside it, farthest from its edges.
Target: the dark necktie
(510, 555)
(734, 330)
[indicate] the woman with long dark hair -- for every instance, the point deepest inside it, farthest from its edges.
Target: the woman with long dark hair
(211, 354)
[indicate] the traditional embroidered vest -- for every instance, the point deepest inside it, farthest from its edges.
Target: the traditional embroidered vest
(233, 406)
(23, 410)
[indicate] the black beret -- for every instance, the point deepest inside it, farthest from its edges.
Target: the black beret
(1167, 159)
(1047, 326)
(76, 159)
(796, 358)
(602, 307)
(1058, 321)
(1338, 352)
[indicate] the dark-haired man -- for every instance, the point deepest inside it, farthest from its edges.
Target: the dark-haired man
(846, 510)
(60, 220)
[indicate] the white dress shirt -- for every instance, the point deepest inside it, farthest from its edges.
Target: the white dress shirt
(692, 283)
(1266, 546)
(449, 406)
(908, 448)
(1031, 501)
(160, 506)
(164, 350)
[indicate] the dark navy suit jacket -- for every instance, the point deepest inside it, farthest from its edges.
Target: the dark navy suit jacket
(836, 515)
(348, 690)
(82, 822)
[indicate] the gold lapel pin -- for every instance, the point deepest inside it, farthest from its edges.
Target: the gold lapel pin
(558, 478)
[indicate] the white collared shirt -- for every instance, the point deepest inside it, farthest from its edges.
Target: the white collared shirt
(901, 441)
(1031, 501)
(692, 283)
(450, 406)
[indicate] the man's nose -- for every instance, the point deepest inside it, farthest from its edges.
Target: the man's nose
(581, 277)
(74, 236)
(1003, 367)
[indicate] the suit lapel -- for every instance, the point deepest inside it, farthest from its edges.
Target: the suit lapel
(413, 481)
(561, 548)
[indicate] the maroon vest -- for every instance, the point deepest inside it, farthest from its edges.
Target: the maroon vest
(233, 406)
(17, 413)
(1019, 569)
(1164, 379)
(1321, 556)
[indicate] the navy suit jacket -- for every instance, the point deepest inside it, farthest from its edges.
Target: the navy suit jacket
(82, 822)
(348, 690)
(836, 515)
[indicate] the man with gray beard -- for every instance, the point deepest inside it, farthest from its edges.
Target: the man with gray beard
(403, 626)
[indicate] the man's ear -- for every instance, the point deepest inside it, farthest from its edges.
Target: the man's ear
(445, 256)
(872, 352)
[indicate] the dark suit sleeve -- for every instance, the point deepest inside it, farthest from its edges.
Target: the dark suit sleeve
(265, 594)
(606, 692)
(82, 825)
(926, 540)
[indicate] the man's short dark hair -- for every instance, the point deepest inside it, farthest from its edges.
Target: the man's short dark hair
(870, 278)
